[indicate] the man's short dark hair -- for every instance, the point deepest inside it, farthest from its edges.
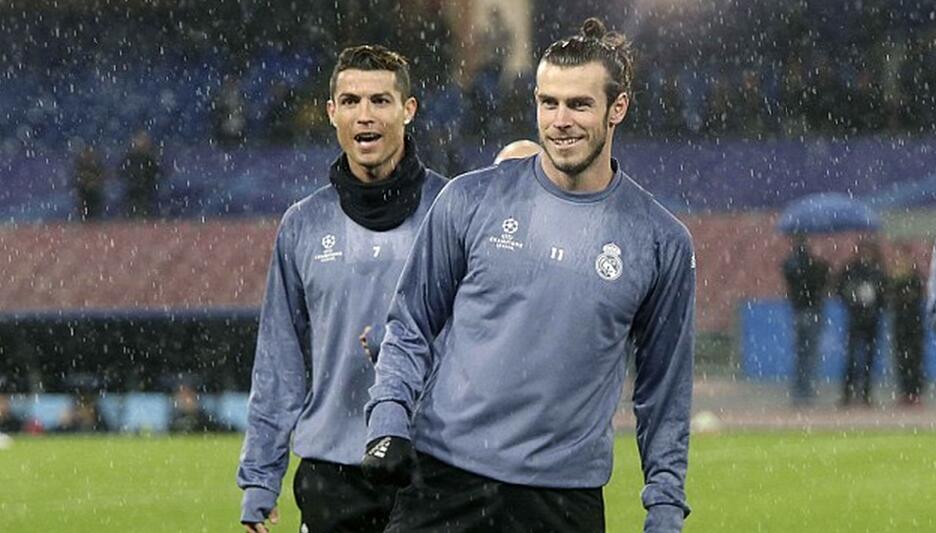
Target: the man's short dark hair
(373, 57)
(595, 43)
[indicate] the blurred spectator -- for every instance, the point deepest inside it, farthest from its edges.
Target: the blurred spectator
(793, 93)
(281, 115)
(807, 278)
(84, 416)
(141, 174)
(229, 113)
(906, 291)
(89, 183)
(492, 63)
(751, 105)
(485, 30)
(861, 285)
(188, 415)
(10, 422)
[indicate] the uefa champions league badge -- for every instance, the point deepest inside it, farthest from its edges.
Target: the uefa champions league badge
(328, 249)
(609, 265)
(507, 240)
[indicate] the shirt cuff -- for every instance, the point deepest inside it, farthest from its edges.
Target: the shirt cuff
(664, 519)
(388, 419)
(257, 504)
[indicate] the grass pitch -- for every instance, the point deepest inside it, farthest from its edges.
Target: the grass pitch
(738, 482)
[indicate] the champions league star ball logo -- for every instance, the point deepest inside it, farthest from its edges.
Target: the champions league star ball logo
(506, 240)
(609, 265)
(329, 253)
(510, 226)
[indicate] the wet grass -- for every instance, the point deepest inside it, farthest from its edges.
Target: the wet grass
(745, 482)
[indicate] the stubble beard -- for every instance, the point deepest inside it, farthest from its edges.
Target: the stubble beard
(573, 169)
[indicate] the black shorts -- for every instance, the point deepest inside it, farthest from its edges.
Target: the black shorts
(334, 498)
(445, 499)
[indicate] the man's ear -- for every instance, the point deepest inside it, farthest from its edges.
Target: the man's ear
(409, 109)
(330, 108)
(618, 109)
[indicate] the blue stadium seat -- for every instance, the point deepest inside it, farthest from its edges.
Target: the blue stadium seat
(232, 409)
(111, 409)
(48, 409)
(146, 411)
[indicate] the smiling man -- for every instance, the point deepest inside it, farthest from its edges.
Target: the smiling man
(543, 272)
(336, 260)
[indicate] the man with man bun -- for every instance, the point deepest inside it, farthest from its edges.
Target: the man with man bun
(543, 271)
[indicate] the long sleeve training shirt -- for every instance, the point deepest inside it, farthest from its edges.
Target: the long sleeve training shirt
(329, 278)
(541, 291)
(931, 291)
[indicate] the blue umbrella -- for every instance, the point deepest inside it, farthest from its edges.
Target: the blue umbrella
(828, 213)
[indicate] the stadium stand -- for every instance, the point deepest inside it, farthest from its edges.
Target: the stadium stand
(730, 122)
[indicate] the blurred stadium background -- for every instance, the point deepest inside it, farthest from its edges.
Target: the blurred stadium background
(741, 107)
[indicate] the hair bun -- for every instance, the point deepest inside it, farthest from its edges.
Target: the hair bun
(593, 28)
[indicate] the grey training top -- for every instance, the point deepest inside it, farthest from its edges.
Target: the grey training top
(542, 291)
(329, 278)
(931, 290)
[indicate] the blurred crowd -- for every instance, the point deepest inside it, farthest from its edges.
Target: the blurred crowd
(255, 71)
(88, 408)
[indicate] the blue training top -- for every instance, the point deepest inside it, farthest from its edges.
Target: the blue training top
(329, 278)
(542, 291)
(931, 290)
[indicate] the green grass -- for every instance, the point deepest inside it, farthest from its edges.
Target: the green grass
(738, 482)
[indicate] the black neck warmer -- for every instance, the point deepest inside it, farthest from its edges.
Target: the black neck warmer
(385, 204)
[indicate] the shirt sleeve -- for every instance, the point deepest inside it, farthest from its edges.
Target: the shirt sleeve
(664, 336)
(278, 382)
(931, 290)
(419, 310)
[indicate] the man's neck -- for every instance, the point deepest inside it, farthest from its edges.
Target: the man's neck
(595, 178)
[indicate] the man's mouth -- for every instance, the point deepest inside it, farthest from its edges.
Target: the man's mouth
(367, 138)
(565, 142)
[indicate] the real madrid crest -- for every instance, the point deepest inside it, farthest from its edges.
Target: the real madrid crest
(609, 265)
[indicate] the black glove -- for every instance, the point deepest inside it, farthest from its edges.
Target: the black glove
(389, 461)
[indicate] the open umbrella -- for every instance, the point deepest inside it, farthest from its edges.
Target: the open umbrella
(828, 213)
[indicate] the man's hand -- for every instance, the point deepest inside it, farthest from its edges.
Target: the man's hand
(367, 351)
(260, 527)
(389, 461)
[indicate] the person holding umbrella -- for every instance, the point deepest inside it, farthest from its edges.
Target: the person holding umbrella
(807, 278)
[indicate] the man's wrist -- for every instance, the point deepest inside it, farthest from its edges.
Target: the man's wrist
(388, 419)
(257, 504)
(664, 518)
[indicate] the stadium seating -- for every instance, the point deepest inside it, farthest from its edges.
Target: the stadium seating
(145, 412)
(134, 412)
(210, 182)
(231, 409)
(47, 409)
